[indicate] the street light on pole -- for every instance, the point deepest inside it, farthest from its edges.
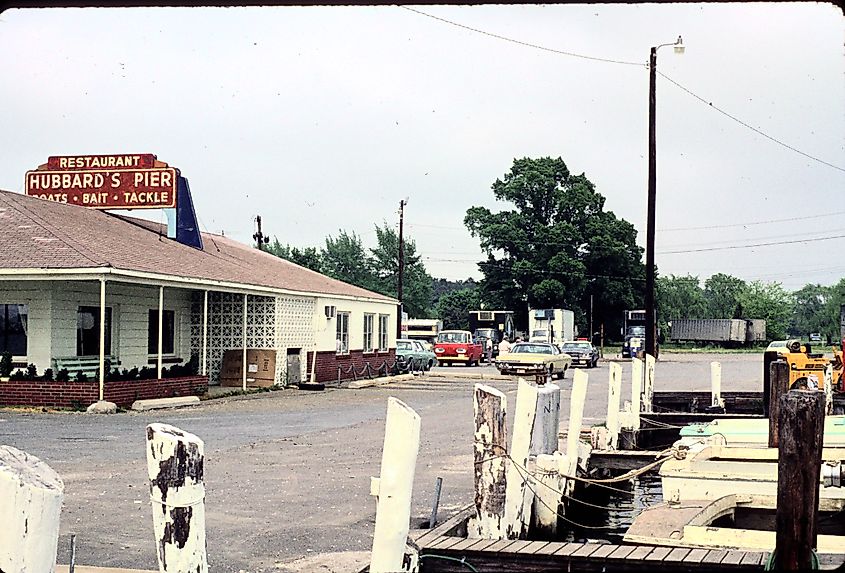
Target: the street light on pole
(651, 323)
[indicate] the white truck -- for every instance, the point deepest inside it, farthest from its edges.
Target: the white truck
(553, 325)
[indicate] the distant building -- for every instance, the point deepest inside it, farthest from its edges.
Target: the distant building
(62, 267)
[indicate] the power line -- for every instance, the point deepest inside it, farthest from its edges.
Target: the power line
(521, 43)
(727, 226)
(751, 127)
(731, 247)
(628, 63)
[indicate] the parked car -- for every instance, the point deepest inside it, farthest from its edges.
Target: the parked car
(582, 353)
(411, 353)
(457, 346)
(534, 358)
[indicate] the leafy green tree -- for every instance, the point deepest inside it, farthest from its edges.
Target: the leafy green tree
(454, 307)
(441, 287)
(679, 298)
(308, 257)
(416, 283)
(809, 313)
(345, 259)
(556, 246)
(771, 302)
(835, 299)
(722, 293)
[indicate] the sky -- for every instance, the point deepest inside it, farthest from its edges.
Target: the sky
(324, 118)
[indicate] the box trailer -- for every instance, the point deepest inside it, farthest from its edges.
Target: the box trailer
(553, 325)
(738, 330)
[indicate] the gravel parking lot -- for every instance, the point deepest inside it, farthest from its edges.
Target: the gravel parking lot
(287, 472)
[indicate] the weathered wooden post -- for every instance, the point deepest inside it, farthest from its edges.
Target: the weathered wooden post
(648, 384)
(801, 414)
(175, 461)
(30, 503)
(716, 385)
(544, 439)
(517, 497)
(779, 376)
(547, 502)
(636, 392)
(394, 487)
(491, 436)
(828, 390)
(614, 396)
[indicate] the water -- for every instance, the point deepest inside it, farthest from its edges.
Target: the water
(605, 514)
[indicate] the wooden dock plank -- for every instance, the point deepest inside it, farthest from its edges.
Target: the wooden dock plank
(714, 556)
(640, 553)
(437, 542)
(568, 549)
(658, 554)
(535, 546)
(622, 551)
(449, 542)
(518, 546)
(695, 556)
(484, 544)
(499, 545)
(603, 551)
(752, 558)
(677, 554)
(733, 557)
(585, 550)
(465, 544)
(550, 548)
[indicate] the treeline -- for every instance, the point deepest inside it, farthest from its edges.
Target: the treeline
(813, 308)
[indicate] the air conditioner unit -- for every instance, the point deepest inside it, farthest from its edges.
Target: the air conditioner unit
(540, 314)
(330, 311)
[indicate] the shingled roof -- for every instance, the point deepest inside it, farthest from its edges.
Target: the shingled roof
(40, 234)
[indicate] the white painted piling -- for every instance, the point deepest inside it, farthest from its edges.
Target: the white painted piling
(175, 461)
(716, 385)
(614, 395)
(828, 390)
(544, 439)
(576, 413)
(394, 487)
(636, 392)
(30, 504)
(648, 384)
(490, 447)
(548, 500)
(517, 496)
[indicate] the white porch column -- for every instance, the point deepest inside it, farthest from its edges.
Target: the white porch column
(244, 338)
(160, 327)
(102, 336)
(205, 333)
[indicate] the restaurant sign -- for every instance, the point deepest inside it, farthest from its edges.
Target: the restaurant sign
(136, 181)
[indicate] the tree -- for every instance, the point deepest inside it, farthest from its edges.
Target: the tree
(454, 307)
(557, 246)
(416, 284)
(770, 302)
(441, 287)
(722, 293)
(308, 257)
(679, 298)
(809, 313)
(345, 259)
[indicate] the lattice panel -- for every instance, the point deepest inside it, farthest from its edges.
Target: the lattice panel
(294, 329)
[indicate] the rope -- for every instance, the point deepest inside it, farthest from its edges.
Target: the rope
(462, 560)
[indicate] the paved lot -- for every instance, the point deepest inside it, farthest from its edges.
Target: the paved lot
(288, 472)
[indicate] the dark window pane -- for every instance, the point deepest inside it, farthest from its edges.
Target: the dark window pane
(13, 328)
(168, 332)
(88, 331)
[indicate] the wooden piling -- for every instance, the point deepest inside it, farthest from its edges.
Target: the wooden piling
(636, 392)
(517, 495)
(648, 384)
(779, 376)
(394, 488)
(544, 439)
(716, 385)
(30, 504)
(614, 395)
(548, 498)
(175, 465)
(801, 414)
(491, 437)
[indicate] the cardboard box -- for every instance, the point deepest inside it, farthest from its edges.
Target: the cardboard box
(260, 370)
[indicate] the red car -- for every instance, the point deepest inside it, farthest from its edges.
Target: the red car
(457, 346)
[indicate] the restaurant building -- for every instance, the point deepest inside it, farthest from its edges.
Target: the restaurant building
(89, 291)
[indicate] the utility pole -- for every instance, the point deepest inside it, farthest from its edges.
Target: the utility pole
(260, 239)
(591, 318)
(401, 277)
(650, 326)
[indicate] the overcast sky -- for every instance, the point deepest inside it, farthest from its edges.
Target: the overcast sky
(323, 118)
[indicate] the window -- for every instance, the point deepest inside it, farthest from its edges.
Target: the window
(369, 319)
(168, 331)
(343, 333)
(88, 331)
(382, 331)
(13, 325)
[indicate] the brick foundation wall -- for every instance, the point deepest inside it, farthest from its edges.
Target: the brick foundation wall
(328, 361)
(82, 394)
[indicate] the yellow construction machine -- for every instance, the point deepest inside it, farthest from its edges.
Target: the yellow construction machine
(805, 368)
